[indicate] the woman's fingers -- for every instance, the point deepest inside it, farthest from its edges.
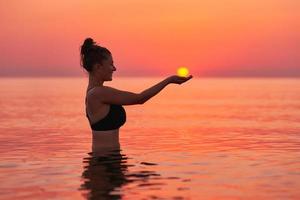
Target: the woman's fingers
(187, 78)
(180, 79)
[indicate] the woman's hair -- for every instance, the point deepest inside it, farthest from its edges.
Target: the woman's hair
(91, 53)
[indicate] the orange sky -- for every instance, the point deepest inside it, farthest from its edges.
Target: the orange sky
(211, 38)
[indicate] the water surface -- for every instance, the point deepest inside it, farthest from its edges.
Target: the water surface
(205, 139)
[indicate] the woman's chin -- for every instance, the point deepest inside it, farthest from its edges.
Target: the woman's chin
(109, 79)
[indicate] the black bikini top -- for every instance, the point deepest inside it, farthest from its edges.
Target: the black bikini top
(115, 118)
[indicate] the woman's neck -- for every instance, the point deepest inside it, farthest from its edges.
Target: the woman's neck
(94, 81)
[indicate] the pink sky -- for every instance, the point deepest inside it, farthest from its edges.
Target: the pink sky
(211, 38)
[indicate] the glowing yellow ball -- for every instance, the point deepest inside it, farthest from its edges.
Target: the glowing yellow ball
(182, 71)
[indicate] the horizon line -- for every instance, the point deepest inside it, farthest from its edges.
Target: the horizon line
(150, 76)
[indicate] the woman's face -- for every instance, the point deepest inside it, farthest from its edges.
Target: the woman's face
(107, 68)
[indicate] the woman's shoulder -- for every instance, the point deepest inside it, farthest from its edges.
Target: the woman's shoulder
(94, 94)
(93, 102)
(98, 91)
(91, 93)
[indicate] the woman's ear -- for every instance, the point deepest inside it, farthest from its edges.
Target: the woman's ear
(98, 66)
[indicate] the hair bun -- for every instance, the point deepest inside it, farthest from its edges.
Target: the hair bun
(88, 42)
(87, 45)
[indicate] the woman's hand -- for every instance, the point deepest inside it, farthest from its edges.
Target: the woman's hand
(179, 79)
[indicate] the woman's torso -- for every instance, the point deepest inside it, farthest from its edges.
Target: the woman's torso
(96, 110)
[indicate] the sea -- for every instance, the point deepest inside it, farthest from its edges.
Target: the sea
(208, 138)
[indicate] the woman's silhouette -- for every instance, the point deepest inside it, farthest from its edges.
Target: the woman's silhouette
(104, 108)
(106, 167)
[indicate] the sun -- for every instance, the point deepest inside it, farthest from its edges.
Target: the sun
(182, 71)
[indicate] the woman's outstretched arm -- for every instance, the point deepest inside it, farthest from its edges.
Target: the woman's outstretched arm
(152, 91)
(111, 95)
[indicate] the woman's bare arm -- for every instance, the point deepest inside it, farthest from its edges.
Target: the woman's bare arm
(111, 95)
(152, 91)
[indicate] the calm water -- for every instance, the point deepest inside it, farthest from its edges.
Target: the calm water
(205, 139)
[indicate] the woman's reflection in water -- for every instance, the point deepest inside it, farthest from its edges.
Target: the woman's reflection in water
(106, 170)
(104, 173)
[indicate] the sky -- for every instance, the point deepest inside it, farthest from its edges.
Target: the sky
(222, 38)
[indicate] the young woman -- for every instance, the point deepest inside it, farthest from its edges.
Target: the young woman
(104, 108)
